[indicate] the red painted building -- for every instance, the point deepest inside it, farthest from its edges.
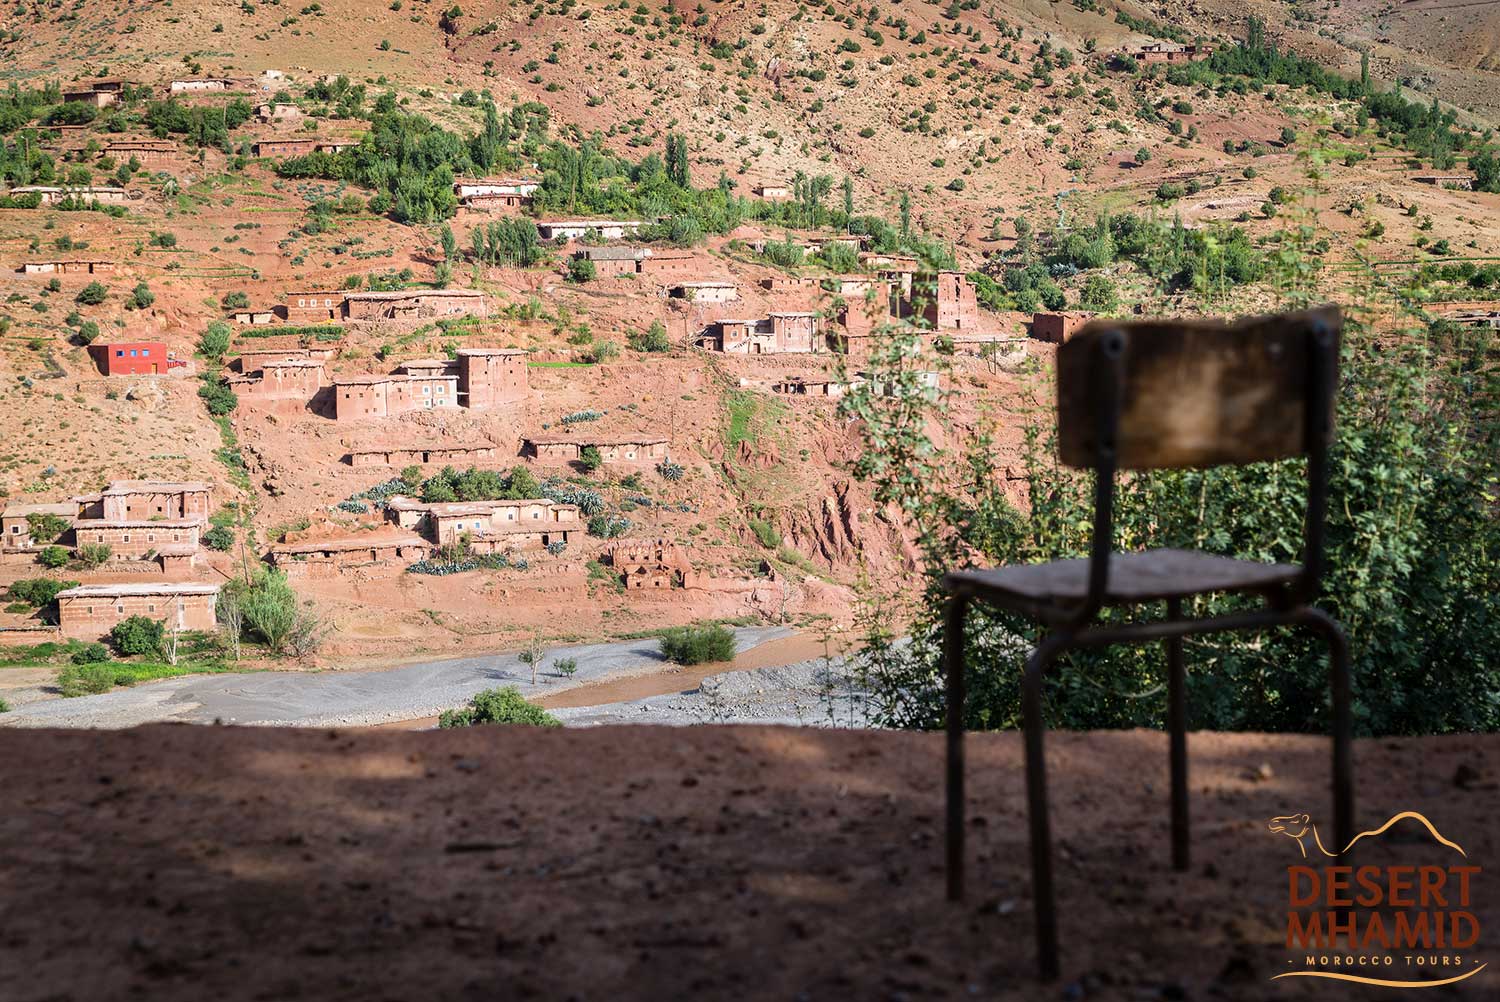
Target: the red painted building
(133, 358)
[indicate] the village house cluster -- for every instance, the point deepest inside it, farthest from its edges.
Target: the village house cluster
(137, 521)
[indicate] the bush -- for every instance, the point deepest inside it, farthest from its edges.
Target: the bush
(86, 679)
(498, 706)
(670, 471)
(214, 341)
(590, 458)
(236, 301)
(4, 706)
(654, 338)
(218, 397)
(140, 297)
(693, 645)
(93, 554)
(765, 533)
(92, 294)
(53, 556)
(38, 592)
(581, 269)
(137, 635)
(220, 537)
(272, 613)
(90, 654)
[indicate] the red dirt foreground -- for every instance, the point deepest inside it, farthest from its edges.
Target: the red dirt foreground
(176, 862)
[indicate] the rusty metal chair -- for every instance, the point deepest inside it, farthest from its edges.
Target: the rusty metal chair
(1162, 395)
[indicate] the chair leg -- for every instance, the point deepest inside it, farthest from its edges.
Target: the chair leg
(954, 684)
(1177, 731)
(1036, 807)
(1343, 726)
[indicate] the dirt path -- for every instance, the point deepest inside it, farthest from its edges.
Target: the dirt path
(699, 863)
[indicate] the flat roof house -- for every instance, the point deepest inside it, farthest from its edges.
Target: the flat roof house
(573, 229)
(88, 612)
(134, 358)
(360, 397)
(15, 521)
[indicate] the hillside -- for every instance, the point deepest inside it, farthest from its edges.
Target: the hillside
(972, 115)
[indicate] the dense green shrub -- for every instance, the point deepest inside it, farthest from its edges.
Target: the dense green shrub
(1411, 537)
(92, 294)
(137, 635)
(53, 556)
(498, 706)
(652, 339)
(92, 653)
(692, 645)
(38, 592)
(220, 537)
(86, 679)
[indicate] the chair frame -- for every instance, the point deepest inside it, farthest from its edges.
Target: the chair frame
(1074, 626)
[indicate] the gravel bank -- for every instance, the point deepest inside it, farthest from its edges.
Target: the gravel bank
(316, 699)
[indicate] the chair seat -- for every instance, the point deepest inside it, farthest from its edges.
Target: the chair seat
(1133, 577)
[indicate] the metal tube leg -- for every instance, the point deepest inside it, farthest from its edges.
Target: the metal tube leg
(1036, 807)
(1341, 685)
(1177, 730)
(953, 676)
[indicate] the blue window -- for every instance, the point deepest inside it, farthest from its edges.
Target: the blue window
(119, 353)
(132, 353)
(145, 352)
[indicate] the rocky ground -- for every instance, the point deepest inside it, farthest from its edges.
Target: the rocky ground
(172, 862)
(810, 694)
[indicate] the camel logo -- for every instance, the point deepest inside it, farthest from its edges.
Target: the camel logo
(1298, 826)
(1360, 923)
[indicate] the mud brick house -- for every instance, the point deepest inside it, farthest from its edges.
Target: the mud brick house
(100, 92)
(1058, 327)
(704, 291)
(465, 187)
(623, 450)
(788, 283)
(15, 522)
(53, 195)
(147, 499)
(414, 304)
(330, 557)
(357, 397)
(145, 150)
(134, 358)
(801, 386)
(495, 192)
(778, 333)
(314, 307)
(490, 526)
(253, 317)
(770, 192)
(176, 539)
(573, 229)
(952, 304)
(208, 85)
(473, 454)
(667, 263)
(490, 377)
(1162, 52)
(284, 147)
(266, 350)
(67, 267)
(494, 203)
(88, 612)
(281, 380)
(1463, 182)
(278, 114)
(610, 262)
(657, 565)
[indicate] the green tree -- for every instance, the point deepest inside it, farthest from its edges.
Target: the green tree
(138, 635)
(589, 458)
(214, 341)
(92, 294)
(652, 339)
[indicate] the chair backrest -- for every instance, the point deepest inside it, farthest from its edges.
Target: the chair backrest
(1163, 394)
